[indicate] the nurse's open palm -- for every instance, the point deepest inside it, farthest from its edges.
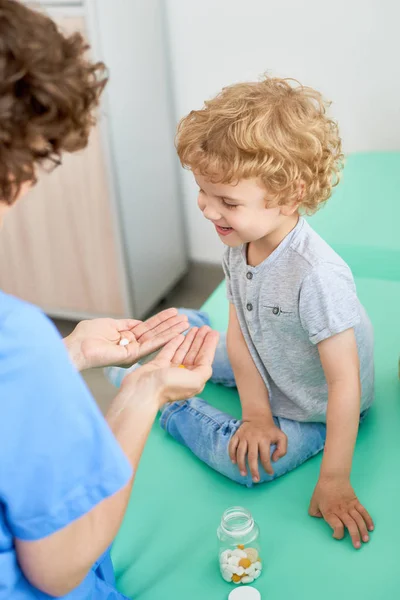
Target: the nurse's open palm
(97, 343)
(181, 369)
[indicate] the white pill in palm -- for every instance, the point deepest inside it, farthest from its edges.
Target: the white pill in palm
(124, 342)
(247, 579)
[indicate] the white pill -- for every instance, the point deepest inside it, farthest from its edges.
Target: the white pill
(224, 556)
(234, 560)
(257, 565)
(245, 593)
(239, 553)
(124, 342)
(250, 570)
(252, 554)
(247, 579)
(257, 574)
(239, 571)
(224, 562)
(227, 576)
(230, 569)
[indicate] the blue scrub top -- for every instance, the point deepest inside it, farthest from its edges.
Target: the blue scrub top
(58, 457)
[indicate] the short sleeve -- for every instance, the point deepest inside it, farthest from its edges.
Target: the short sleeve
(59, 457)
(225, 266)
(328, 302)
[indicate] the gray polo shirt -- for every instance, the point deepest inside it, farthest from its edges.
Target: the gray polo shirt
(302, 294)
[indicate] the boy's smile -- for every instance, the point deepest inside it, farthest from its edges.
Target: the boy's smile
(223, 230)
(240, 214)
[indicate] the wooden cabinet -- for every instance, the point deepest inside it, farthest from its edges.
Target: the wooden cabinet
(102, 235)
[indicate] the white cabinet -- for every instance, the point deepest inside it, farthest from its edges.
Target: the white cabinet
(103, 234)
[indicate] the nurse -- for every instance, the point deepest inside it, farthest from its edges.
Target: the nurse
(66, 473)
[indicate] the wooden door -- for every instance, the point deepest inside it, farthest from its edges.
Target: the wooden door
(58, 247)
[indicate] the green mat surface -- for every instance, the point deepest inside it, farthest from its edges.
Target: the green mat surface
(167, 546)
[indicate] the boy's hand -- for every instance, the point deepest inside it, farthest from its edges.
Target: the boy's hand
(254, 439)
(335, 501)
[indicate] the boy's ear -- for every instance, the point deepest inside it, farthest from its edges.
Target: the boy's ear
(301, 190)
(289, 209)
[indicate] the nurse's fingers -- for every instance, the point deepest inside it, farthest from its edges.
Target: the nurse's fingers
(157, 324)
(190, 358)
(126, 324)
(184, 348)
(165, 357)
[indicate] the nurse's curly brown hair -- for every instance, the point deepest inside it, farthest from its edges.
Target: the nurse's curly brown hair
(48, 92)
(275, 130)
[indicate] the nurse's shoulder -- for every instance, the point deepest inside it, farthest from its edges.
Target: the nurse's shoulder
(24, 326)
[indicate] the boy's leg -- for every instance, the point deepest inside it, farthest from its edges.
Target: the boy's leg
(207, 432)
(222, 371)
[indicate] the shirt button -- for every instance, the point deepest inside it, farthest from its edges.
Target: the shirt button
(249, 275)
(249, 307)
(276, 310)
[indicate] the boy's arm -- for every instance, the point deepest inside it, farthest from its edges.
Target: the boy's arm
(334, 498)
(258, 431)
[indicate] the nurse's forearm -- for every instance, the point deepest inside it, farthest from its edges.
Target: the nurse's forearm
(58, 563)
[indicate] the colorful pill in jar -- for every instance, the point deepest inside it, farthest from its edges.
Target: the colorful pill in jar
(239, 547)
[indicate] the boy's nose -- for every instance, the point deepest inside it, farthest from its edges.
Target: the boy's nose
(209, 211)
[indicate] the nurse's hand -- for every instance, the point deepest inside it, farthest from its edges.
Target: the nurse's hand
(96, 343)
(179, 371)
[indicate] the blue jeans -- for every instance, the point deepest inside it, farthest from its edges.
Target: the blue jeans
(207, 431)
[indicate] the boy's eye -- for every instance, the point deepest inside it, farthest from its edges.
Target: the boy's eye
(231, 206)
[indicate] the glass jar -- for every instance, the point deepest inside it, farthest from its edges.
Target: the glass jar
(239, 546)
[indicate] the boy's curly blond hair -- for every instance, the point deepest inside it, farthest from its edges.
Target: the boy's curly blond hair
(276, 130)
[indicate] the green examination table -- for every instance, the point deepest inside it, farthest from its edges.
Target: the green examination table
(167, 546)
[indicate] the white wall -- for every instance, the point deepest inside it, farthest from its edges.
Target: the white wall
(141, 136)
(348, 49)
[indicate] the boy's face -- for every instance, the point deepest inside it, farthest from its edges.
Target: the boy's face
(239, 211)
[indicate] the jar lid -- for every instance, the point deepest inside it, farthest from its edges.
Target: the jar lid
(245, 593)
